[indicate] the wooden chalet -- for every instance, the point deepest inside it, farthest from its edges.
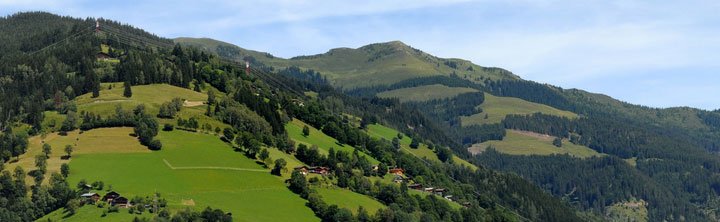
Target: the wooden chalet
(397, 171)
(121, 202)
(302, 169)
(110, 196)
(319, 170)
(415, 186)
(90, 197)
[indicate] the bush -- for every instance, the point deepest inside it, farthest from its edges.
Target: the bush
(168, 127)
(155, 145)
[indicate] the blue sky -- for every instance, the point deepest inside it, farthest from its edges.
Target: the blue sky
(655, 53)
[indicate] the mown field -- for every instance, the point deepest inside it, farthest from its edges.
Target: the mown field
(106, 140)
(207, 172)
(496, 108)
(150, 95)
(526, 143)
(349, 200)
(425, 93)
(317, 137)
(380, 131)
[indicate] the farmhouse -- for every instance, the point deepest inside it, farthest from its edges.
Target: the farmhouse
(302, 169)
(399, 179)
(110, 196)
(90, 197)
(415, 186)
(397, 171)
(319, 170)
(120, 202)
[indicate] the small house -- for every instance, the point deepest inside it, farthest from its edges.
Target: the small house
(439, 191)
(90, 197)
(320, 170)
(397, 171)
(415, 186)
(302, 169)
(429, 189)
(110, 196)
(399, 179)
(120, 202)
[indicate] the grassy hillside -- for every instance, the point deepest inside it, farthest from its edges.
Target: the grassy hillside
(527, 143)
(317, 137)
(150, 95)
(349, 200)
(425, 93)
(192, 170)
(496, 108)
(115, 140)
(380, 131)
(375, 64)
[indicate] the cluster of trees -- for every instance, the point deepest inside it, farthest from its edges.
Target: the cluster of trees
(12, 144)
(17, 205)
(169, 109)
(579, 186)
(449, 110)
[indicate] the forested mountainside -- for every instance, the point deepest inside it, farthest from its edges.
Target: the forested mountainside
(665, 159)
(149, 120)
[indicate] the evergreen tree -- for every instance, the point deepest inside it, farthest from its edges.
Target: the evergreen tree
(127, 92)
(306, 131)
(557, 142)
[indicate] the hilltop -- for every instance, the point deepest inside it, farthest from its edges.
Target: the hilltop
(370, 65)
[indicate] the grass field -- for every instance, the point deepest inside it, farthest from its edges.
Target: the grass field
(496, 108)
(150, 95)
(380, 131)
(208, 172)
(104, 140)
(453, 204)
(425, 93)
(525, 143)
(317, 137)
(627, 211)
(349, 200)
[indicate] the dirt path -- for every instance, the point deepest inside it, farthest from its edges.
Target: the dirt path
(543, 137)
(193, 103)
(212, 168)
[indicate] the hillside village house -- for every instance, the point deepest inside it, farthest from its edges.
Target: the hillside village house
(397, 171)
(317, 170)
(121, 202)
(110, 196)
(91, 197)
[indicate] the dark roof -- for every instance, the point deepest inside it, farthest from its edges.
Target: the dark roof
(120, 200)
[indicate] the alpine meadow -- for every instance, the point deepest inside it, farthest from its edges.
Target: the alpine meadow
(104, 121)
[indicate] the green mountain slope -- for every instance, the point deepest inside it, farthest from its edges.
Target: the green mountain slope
(370, 65)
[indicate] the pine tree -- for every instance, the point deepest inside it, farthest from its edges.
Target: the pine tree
(128, 91)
